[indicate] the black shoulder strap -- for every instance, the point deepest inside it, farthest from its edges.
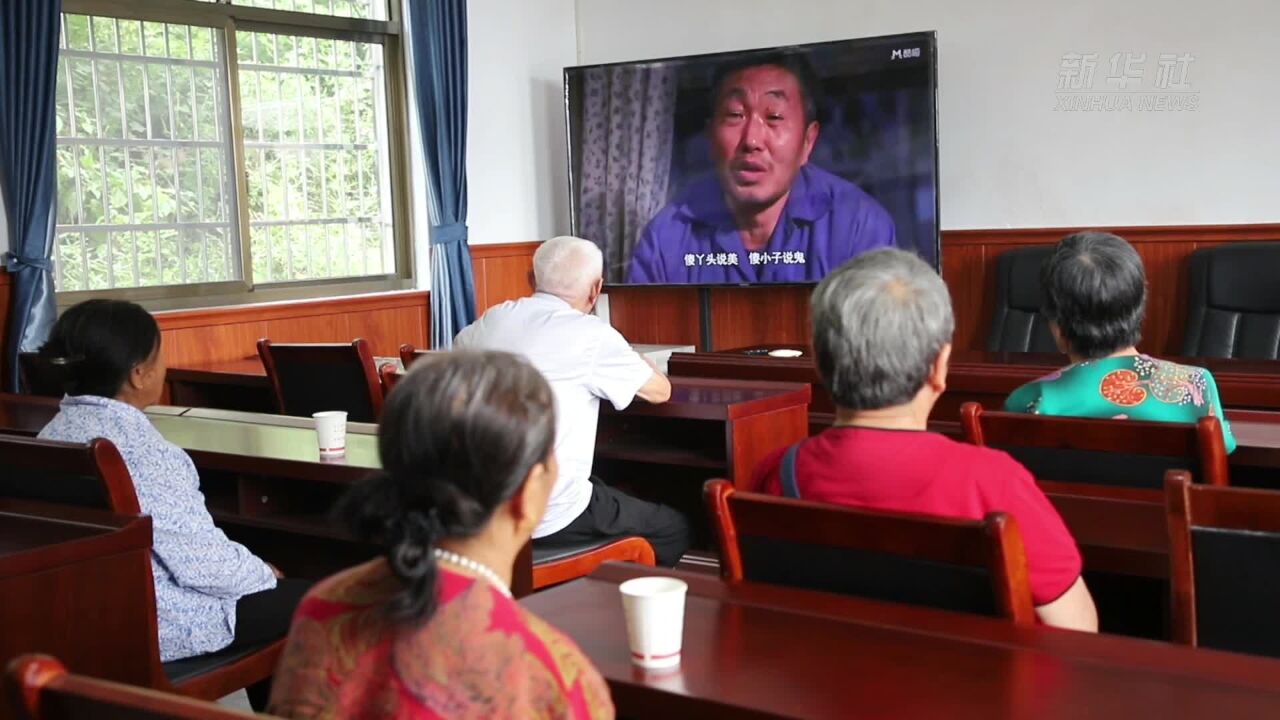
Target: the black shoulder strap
(789, 487)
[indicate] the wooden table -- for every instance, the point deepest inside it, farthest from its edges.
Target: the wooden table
(25, 414)
(709, 428)
(252, 465)
(60, 572)
(719, 428)
(267, 486)
(263, 480)
(232, 385)
(984, 377)
(722, 427)
(761, 651)
(1250, 390)
(228, 385)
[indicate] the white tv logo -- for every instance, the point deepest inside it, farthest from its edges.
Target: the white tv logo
(904, 54)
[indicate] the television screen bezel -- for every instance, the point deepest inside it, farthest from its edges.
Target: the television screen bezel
(928, 38)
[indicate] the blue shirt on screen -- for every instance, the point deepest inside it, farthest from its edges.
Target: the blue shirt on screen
(826, 221)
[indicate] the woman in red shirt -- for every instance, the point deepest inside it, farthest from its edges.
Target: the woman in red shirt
(882, 328)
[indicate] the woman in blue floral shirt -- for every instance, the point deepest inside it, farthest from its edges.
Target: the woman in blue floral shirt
(211, 593)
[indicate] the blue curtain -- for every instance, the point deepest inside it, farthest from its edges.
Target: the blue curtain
(28, 83)
(438, 39)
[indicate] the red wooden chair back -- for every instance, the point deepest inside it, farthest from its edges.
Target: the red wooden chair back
(1131, 453)
(968, 565)
(408, 354)
(40, 688)
(389, 375)
(309, 378)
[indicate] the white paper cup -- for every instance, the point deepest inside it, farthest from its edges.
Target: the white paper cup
(654, 609)
(331, 432)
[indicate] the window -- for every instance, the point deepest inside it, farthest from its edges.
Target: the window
(245, 146)
(373, 9)
(314, 114)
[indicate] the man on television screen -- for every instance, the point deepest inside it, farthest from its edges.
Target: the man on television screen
(766, 215)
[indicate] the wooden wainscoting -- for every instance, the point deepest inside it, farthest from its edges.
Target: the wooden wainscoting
(210, 335)
(656, 315)
(969, 260)
(751, 316)
(502, 272)
(739, 316)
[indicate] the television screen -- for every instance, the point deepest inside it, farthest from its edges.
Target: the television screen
(762, 166)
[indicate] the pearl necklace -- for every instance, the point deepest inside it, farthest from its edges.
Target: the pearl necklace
(483, 571)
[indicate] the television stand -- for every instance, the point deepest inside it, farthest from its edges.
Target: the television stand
(704, 319)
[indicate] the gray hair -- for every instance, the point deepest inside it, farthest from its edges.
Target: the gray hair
(1094, 288)
(879, 322)
(567, 267)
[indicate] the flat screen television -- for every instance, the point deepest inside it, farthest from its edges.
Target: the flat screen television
(768, 166)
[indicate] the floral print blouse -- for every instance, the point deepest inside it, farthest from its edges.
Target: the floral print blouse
(1139, 387)
(199, 573)
(480, 655)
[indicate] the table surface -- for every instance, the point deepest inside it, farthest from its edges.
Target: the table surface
(26, 414)
(703, 398)
(252, 366)
(1257, 433)
(34, 533)
(795, 653)
(715, 399)
(20, 533)
(1018, 359)
(262, 441)
(289, 421)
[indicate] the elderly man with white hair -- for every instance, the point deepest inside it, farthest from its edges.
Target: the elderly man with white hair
(584, 359)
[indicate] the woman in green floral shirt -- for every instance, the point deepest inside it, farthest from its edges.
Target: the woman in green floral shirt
(1094, 294)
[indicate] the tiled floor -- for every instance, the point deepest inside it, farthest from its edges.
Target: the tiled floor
(238, 700)
(700, 561)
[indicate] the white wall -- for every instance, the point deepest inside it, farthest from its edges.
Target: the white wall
(1008, 159)
(517, 184)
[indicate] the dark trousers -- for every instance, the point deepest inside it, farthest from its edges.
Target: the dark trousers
(614, 515)
(263, 617)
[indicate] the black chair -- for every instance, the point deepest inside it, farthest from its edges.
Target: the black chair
(311, 378)
(555, 564)
(1233, 308)
(1224, 548)
(41, 376)
(1017, 325)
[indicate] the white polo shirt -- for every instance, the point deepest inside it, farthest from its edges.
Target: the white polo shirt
(584, 359)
